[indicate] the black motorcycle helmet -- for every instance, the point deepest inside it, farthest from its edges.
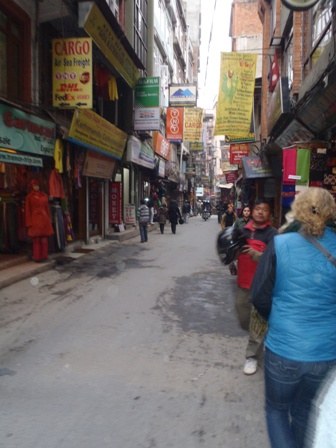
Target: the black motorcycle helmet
(229, 243)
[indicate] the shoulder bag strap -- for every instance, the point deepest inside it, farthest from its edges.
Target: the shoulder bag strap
(319, 246)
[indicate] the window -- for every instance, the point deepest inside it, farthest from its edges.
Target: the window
(15, 75)
(321, 31)
(141, 29)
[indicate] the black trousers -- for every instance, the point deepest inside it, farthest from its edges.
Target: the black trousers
(173, 227)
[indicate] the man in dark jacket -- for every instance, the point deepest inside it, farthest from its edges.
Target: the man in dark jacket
(174, 215)
(259, 232)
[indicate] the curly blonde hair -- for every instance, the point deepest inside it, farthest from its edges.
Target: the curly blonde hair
(313, 208)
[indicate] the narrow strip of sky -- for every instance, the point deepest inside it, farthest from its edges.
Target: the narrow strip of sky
(214, 40)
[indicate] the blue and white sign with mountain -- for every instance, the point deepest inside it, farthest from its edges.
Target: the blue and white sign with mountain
(182, 95)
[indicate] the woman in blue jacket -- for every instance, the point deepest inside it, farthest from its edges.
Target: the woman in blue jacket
(294, 289)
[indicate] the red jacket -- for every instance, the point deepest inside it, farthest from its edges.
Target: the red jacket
(258, 240)
(38, 218)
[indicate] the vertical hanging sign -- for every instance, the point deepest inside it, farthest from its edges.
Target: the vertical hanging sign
(115, 203)
(72, 73)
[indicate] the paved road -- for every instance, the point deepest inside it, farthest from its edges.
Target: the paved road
(131, 346)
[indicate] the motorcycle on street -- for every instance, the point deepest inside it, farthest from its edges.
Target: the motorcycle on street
(206, 214)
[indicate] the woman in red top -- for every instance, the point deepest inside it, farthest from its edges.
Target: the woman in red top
(38, 221)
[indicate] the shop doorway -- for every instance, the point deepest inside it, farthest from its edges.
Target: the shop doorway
(95, 207)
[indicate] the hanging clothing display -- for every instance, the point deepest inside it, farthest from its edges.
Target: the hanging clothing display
(58, 225)
(56, 189)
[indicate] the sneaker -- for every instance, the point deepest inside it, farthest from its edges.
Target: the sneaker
(250, 366)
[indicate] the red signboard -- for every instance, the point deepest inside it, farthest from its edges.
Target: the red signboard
(231, 177)
(174, 124)
(115, 203)
(161, 145)
(237, 151)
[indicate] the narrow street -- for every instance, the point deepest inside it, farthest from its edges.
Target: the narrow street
(131, 346)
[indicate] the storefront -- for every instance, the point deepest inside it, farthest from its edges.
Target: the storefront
(27, 144)
(99, 147)
(301, 147)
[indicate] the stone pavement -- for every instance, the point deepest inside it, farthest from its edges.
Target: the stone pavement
(23, 267)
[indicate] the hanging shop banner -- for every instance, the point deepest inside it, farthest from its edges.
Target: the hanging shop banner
(115, 203)
(174, 124)
(235, 94)
(7, 157)
(255, 167)
(196, 146)
(147, 119)
(237, 151)
(182, 95)
(161, 146)
(193, 124)
(25, 132)
(72, 73)
(109, 43)
(147, 92)
(98, 165)
(249, 138)
(140, 153)
(92, 131)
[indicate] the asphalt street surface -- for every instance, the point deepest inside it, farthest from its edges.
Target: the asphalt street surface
(131, 346)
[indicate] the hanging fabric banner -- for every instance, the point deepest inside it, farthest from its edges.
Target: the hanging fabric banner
(193, 124)
(235, 95)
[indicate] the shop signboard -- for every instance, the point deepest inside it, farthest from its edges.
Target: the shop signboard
(140, 153)
(72, 72)
(193, 124)
(147, 119)
(174, 124)
(237, 151)
(95, 24)
(24, 132)
(196, 146)
(92, 131)
(98, 165)
(20, 159)
(147, 92)
(182, 95)
(161, 171)
(161, 145)
(115, 203)
(254, 167)
(235, 94)
(129, 214)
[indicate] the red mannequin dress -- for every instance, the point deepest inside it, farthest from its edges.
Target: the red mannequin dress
(38, 221)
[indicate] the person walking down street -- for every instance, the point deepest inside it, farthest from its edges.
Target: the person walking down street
(143, 217)
(174, 215)
(229, 217)
(162, 216)
(244, 218)
(259, 232)
(186, 211)
(150, 204)
(294, 289)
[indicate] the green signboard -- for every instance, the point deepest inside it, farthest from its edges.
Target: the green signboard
(25, 132)
(147, 92)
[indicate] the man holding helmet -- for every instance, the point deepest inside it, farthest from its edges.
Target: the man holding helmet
(248, 244)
